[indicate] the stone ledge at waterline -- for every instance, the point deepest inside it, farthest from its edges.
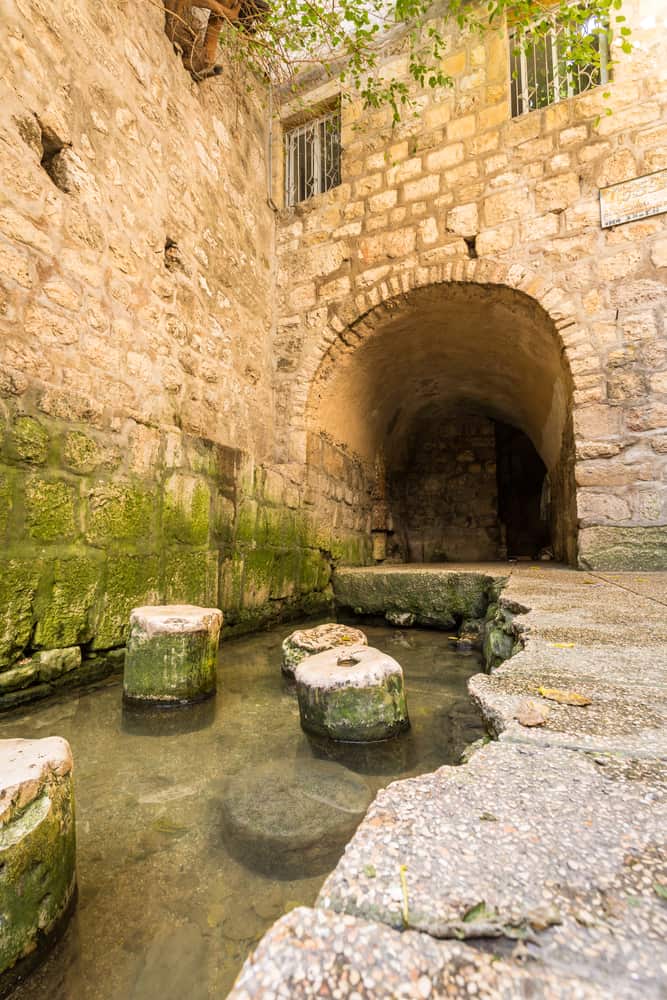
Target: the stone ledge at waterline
(439, 596)
(37, 850)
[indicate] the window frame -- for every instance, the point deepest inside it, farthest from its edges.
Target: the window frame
(521, 93)
(323, 176)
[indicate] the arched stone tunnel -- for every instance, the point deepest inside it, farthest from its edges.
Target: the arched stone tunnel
(456, 400)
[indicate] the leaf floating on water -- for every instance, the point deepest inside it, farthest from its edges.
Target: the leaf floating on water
(562, 645)
(564, 697)
(479, 911)
(489, 818)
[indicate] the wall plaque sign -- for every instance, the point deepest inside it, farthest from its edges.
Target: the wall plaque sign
(634, 199)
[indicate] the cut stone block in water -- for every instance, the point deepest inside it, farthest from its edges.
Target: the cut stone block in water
(289, 818)
(37, 850)
(171, 654)
(309, 641)
(355, 694)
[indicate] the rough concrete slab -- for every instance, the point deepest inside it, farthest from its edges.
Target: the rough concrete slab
(317, 953)
(523, 842)
(595, 637)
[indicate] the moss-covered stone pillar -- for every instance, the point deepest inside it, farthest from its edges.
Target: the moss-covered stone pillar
(355, 695)
(171, 654)
(310, 641)
(37, 850)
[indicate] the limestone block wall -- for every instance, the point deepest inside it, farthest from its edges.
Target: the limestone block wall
(136, 325)
(462, 193)
(444, 501)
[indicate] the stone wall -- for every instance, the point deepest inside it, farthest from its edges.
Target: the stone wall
(464, 194)
(444, 500)
(136, 325)
(181, 395)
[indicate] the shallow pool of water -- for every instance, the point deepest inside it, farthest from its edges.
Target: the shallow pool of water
(197, 829)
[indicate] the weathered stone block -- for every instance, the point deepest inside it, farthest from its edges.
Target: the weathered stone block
(84, 454)
(67, 618)
(190, 576)
(129, 580)
(310, 641)
(171, 654)
(604, 547)
(120, 512)
(28, 441)
(37, 846)
(186, 510)
(355, 695)
(19, 579)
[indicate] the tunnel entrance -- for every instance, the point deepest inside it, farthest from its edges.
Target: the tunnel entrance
(472, 489)
(453, 404)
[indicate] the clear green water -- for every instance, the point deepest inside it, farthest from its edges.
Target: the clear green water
(171, 897)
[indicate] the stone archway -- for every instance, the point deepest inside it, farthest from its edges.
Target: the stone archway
(432, 349)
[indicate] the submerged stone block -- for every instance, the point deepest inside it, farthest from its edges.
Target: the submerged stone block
(354, 695)
(171, 654)
(310, 641)
(289, 821)
(37, 849)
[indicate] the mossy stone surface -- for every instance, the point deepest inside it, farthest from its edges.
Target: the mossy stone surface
(37, 845)
(83, 454)
(67, 618)
(129, 581)
(187, 510)
(309, 641)
(171, 654)
(29, 441)
(356, 702)
(437, 598)
(190, 576)
(50, 510)
(6, 500)
(19, 579)
(120, 513)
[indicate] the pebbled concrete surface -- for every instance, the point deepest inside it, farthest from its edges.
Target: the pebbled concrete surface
(547, 847)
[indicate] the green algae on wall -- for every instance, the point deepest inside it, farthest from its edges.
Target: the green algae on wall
(90, 534)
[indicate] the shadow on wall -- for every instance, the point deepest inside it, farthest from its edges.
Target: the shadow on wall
(456, 402)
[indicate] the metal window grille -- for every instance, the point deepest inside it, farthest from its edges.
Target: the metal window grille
(312, 158)
(541, 73)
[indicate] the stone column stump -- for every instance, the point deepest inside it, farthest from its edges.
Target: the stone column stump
(37, 851)
(171, 655)
(353, 695)
(309, 641)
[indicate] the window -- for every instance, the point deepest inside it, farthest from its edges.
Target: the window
(312, 158)
(540, 72)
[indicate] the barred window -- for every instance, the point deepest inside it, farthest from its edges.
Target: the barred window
(312, 158)
(540, 72)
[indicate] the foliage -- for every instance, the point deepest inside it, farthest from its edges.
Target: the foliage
(349, 39)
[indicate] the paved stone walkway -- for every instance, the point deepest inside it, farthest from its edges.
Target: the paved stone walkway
(539, 868)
